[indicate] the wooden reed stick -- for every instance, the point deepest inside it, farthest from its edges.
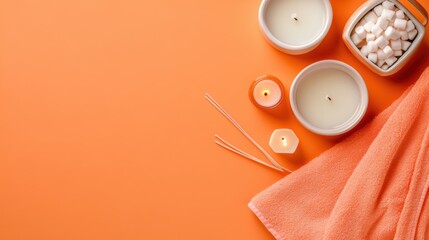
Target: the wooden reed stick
(235, 123)
(234, 149)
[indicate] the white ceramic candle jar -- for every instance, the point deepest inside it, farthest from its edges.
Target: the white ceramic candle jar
(329, 97)
(295, 26)
(384, 34)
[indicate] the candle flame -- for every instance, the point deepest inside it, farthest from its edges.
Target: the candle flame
(266, 92)
(284, 141)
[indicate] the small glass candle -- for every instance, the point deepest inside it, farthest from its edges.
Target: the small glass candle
(266, 92)
(284, 141)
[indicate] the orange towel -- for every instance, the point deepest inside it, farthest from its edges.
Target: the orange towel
(373, 185)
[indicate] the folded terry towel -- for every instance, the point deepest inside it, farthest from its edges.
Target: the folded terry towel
(372, 185)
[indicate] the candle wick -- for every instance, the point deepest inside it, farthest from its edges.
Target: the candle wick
(284, 142)
(266, 92)
(328, 98)
(294, 16)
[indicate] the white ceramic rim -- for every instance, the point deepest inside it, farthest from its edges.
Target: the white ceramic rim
(297, 49)
(357, 116)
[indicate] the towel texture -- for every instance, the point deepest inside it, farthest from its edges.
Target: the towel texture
(372, 185)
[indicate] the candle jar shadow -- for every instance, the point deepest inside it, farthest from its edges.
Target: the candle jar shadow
(369, 116)
(416, 65)
(326, 47)
(293, 161)
(282, 111)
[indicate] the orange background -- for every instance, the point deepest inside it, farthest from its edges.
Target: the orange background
(104, 129)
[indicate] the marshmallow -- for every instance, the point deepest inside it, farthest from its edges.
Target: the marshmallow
(388, 5)
(371, 37)
(400, 24)
(360, 31)
(382, 23)
(371, 17)
(368, 26)
(405, 45)
(388, 14)
(391, 60)
(391, 33)
(385, 67)
(397, 53)
(381, 55)
(395, 36)
(377, 10)
(372, 57)
(376, 30)
(364, 50)
(381, 41)
(380, 62)
(410, 26)
(372, 46)
(404, 35)
(356, 39)
(412, 34)
(396, 44)
(388, 51)
(400, 14)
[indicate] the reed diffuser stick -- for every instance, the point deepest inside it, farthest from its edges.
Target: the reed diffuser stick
(234, 149)
(235, 123)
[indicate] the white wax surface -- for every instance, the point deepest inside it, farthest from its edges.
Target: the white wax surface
(312, 98)
(267, 93)
(310, 15)
(284, 141)
(280, 143)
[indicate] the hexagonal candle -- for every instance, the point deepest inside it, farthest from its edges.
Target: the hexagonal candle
(284, 141)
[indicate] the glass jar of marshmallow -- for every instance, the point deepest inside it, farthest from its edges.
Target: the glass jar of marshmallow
(384, 34)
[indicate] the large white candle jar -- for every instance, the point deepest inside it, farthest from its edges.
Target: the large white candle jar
(295, 26)
(329, 97)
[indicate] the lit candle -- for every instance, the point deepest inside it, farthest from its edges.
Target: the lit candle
(266, 92)
(295, 26)
(329, 97)
(284, 141)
